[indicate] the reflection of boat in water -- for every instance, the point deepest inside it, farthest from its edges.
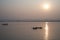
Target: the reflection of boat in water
(37, 27)
(5, 24)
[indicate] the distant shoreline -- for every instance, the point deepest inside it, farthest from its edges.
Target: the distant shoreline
(31, 21)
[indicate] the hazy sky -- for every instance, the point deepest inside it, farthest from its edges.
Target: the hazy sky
(29, 9)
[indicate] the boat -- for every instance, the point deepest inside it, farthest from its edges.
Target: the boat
(37, 27)
(5, 24)
(34, 27)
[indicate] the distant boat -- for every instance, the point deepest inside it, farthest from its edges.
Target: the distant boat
(37, 27)
(34, 27)
(5, 24)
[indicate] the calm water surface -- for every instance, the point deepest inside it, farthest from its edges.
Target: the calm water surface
(24, 31)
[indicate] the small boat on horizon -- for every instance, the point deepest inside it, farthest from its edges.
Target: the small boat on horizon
(5, 24)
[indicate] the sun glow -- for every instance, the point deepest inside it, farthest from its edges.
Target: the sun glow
(46, 6)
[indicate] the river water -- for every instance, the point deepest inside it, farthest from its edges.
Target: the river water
(24, 31)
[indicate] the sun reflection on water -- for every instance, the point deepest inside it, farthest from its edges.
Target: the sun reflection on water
(46, 31)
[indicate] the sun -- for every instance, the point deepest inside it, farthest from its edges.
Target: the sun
(46, 6)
